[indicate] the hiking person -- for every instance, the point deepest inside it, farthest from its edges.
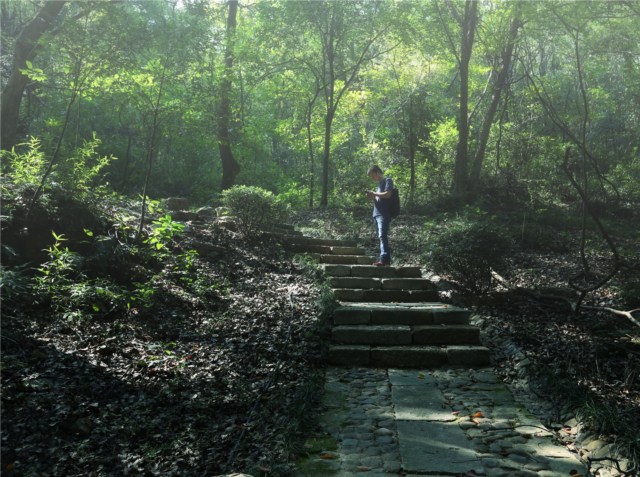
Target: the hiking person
(381, 212)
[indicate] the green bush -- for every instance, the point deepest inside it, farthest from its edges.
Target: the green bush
(256, 209)
(467, 251)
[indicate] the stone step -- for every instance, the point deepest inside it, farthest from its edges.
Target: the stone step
(400, 314)
(285, 226)
(325, 249)
(433, 335)
(318, 241)
(384, 296)
(381, 283)
(371, 271)
(408, 356)
(343, 259)
(284, 236)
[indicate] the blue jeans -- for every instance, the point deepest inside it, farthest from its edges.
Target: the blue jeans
(382, 225)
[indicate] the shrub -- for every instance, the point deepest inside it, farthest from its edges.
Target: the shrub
(79, 174)
(467, 252)
(256, 209)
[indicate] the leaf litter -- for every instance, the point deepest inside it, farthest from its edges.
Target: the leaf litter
(177, 390)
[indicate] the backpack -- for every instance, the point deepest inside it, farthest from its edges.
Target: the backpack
(394, 203)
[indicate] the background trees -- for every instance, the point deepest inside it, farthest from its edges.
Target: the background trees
(300, 97)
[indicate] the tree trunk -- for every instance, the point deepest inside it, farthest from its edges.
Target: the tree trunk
(27, 45)
(412, 141)
(312, 166)
(499, 85)
(152, 151)
(324, 199)
(230, 167)
(468, 28)
(124, 178)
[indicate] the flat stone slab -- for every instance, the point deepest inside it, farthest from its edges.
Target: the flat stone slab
(411, 377)
(337, 270)
(446, 335)
(337, 250)
(350, 355)
(371, 271)
(408, 356)
(468, 356)
(436, 448)
(419, 313)
(317, 241)
(420, 403)
(354, 282)
(371, 334)
(359, 295)
(407, 284)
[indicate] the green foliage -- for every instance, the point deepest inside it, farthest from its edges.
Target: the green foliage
(255, 208)
(82, 171)
(79, 174)
(14, 284)
(60, 271)
(467, 252)
(163, 231)
(25, 167)
(71, 293)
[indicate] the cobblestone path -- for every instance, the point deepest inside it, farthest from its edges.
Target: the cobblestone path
(456, 422)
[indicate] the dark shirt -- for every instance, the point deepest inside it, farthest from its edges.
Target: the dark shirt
(381, 206)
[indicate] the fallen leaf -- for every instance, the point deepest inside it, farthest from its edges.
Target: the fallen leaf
(478, 414)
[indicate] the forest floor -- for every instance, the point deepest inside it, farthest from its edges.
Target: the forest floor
(206, 380)
(227, 378)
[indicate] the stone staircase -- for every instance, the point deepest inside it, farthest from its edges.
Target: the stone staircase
(388, 316)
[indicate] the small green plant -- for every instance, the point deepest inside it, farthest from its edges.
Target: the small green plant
(61, 282)
(467, 252)
(82, 171)
(24, 167)
(164, 230)
(142, 295)
(60, 271)
(256, 209)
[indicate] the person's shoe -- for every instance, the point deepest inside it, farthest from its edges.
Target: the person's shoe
(380, 264)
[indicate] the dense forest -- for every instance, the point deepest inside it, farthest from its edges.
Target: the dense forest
(300, 97)
(511, 128)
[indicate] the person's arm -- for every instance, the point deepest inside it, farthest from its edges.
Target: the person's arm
(383, 195)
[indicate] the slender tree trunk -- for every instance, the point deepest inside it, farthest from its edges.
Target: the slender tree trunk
(411, 140)
(230, 167)
(499, 85)
(468, 28)
(27, 45)
(152, 150)
(127, 160)
(312, 172)
(324, 200)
